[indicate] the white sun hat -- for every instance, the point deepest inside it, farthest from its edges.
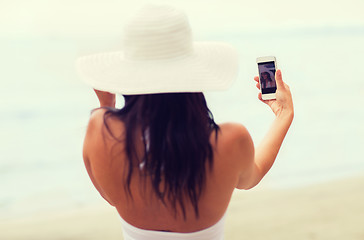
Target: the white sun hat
(160, 56)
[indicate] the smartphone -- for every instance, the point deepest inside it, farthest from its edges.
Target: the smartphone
(267, 80)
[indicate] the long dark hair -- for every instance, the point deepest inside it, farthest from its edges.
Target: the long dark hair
(175, 129)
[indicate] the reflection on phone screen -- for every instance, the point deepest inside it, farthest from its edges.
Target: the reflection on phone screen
(267, 73)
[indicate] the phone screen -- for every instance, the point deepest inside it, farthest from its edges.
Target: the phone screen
(267, 71)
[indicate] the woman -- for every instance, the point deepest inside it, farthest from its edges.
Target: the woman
(267, 81)
(161, 160)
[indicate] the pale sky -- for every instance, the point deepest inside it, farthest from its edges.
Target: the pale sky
(73, 17)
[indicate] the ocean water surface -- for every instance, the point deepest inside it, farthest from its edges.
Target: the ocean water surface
(45, 108)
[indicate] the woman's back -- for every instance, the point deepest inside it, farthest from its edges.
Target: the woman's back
(106, 157)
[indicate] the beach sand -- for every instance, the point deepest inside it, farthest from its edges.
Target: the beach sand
(332, 210)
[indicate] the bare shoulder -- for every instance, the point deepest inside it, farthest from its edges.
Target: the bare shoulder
(96, 119)
(233, 133)
(93, 131)
(236, 145)
(98, 122)
(99, 137)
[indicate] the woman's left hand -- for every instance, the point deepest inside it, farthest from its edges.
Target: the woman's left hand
(106, 99)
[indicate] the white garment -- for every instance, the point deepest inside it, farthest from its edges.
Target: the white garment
(215, 232)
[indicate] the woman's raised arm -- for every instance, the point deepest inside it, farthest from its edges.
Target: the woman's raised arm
(266, 152)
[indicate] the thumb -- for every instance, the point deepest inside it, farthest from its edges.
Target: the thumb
(279, 80)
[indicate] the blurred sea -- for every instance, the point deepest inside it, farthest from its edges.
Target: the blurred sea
(45, 108)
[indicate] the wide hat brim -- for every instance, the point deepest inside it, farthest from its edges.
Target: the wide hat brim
(212, 66)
